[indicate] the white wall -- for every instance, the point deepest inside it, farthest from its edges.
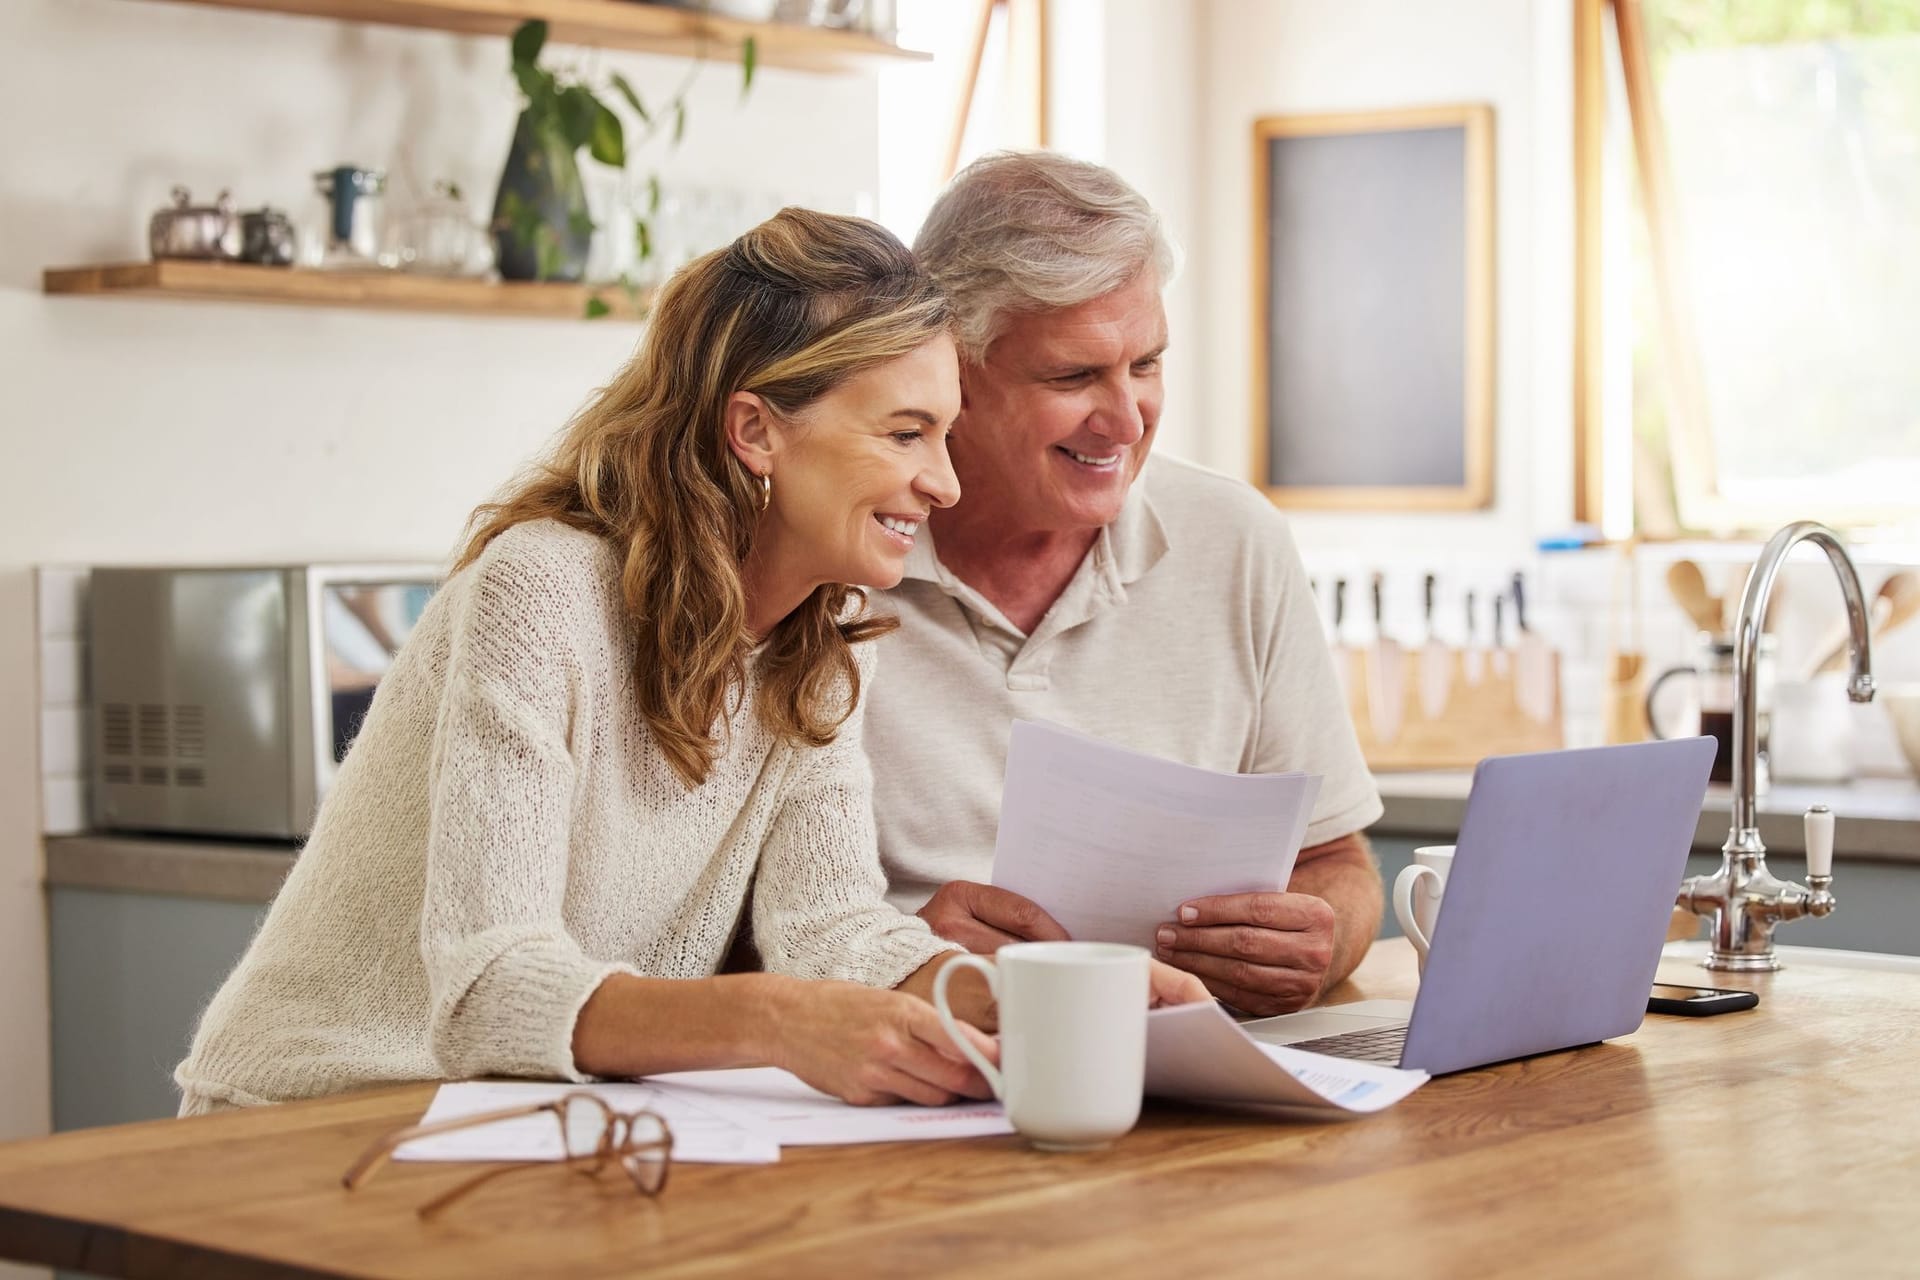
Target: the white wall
(188, 432)
(1273, 57)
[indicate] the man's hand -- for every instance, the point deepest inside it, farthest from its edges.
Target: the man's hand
(983, 919)
(1262, 953)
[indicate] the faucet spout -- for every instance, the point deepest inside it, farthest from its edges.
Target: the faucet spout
(1746, 641)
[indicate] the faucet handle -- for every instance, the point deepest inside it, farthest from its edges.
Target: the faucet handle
(1819, 822)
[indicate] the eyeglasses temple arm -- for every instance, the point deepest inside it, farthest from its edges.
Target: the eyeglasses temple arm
(383, 1148)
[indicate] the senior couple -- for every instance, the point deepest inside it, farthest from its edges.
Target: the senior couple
(653, 709)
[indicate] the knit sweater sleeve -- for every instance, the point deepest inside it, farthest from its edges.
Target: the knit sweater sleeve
(507, 980)
(819, 909)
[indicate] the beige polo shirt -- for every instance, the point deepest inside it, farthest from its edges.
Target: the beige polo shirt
(1189, 631)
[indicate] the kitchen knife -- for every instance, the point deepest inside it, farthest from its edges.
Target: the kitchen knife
(1338, 645)
(1533, 661)
(1474, 660)
(1436, 664)
(1498, 647)
(1386, 674)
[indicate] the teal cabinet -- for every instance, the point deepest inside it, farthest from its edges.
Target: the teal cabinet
(130, 974)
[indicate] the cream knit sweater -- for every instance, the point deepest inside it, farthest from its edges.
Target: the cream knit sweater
(505, 834)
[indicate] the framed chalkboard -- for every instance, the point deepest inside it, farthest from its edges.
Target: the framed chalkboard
(1373, 313)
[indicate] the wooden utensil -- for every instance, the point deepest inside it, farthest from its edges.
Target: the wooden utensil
(1689, 588)
(1895, 604)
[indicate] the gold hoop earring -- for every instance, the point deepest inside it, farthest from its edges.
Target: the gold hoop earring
(766, 489)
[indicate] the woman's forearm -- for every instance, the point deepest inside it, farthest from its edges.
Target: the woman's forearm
(716, 1022)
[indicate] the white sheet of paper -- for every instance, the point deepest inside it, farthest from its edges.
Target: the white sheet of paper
(1112, 841)
(797, 1115)
(1197, 1053)
(701, 1134)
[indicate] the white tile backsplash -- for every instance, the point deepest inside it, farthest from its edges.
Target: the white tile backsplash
(61, 624)
(63, 806)
(63, 672)
(63, 601)
(63, 738)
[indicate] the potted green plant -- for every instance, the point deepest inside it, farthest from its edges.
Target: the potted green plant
(542, 226)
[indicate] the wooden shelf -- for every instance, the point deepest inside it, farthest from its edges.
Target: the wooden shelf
(610, 24)
(394, 291)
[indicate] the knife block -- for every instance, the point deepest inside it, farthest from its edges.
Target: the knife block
(1479, 717)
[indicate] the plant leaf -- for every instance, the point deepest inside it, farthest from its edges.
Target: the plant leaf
(580, 223)
(653, 194)
(609, 142)
(642, 239)
(528, 39)
(597, 308)
(749, 58)
(579, 115)
(632, 96)
(679, 120)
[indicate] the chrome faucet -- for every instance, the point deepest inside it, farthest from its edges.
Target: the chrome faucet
(1743, 899)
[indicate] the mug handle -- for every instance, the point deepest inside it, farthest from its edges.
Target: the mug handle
(1402, 908)
(1653, 725)
(971, 1054)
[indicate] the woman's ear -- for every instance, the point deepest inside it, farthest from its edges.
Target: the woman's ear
(750, 431)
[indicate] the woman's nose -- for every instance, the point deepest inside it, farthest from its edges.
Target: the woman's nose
(938, 483)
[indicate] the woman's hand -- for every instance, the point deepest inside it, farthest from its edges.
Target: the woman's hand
(870, 1047)
(1167, 985)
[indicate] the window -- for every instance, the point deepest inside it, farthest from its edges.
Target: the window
(1766, 285)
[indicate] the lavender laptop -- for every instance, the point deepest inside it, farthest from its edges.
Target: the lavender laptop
(1553, 917)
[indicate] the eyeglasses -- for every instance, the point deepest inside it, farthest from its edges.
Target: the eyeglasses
(592, 1134)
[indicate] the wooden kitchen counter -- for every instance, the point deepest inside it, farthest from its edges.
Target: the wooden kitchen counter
(1782, 1141)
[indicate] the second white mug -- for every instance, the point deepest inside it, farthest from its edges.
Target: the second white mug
(1073, 1038)
(1416, 896)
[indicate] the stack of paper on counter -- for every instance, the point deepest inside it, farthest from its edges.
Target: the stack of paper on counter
(1110, 841)
(795, 1114)
(1196, 1053)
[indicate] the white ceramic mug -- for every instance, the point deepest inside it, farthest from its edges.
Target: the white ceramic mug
(1073, 1038)
(1416, 896)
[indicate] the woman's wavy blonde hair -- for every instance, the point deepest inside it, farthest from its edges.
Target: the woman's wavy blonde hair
(788, 312)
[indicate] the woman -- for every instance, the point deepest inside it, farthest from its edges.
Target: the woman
(634, 697)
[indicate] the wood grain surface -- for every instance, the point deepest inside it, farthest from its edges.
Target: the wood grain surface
(1782, 1141)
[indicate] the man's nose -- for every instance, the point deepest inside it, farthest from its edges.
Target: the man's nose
(1121, 417)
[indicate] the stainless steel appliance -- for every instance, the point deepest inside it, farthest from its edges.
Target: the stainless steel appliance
(225, 698)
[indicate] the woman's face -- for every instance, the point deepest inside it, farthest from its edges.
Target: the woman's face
(856, 472)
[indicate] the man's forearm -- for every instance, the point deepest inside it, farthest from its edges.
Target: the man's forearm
(1344, 874)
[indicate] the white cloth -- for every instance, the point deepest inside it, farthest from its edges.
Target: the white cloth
(505, 834)
(1188, 631)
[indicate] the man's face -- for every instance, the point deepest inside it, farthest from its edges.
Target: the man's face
(1060, 414)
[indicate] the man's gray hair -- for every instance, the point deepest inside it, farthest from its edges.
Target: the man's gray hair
(1036, 231)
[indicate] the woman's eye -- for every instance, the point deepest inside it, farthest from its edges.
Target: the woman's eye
(906, 437)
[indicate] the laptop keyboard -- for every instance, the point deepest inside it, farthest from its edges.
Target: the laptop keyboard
(1375, 1044)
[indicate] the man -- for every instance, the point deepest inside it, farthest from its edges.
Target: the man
(1157, 605)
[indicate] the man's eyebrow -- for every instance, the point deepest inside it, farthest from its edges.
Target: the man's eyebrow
(1154, 354)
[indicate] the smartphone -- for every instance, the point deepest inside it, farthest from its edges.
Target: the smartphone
(1697, 1002)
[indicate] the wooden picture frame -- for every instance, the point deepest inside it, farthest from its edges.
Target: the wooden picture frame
(1379, 226)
